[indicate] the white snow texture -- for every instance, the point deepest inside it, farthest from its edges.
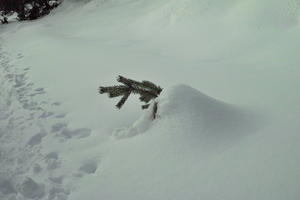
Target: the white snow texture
(227, 126)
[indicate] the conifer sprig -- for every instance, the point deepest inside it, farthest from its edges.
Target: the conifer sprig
(146, 89)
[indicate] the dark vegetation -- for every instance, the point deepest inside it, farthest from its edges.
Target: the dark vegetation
(26, 9)
(147, 90)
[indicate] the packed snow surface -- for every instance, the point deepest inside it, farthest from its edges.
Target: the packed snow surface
(227, 126)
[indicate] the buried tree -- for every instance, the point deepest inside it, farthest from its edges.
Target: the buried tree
(147, 90)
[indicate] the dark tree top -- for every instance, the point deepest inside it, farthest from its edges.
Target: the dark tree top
(146, 89)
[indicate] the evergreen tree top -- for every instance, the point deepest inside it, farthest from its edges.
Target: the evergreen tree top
(146, 89)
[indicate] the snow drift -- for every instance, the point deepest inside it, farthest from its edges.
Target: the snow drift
(167, 158)
(196, 116)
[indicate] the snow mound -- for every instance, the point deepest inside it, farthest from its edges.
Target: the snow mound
(191, 115)
(172, 156)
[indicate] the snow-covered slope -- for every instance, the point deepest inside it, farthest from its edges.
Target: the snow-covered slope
(236, 139)
(199, 148)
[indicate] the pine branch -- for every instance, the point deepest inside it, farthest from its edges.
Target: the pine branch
(128, 82)
(123, 100)
(146, 89)
(146, 106)
(114, 91)
(146, 98)
(145, 93)
(152, 86)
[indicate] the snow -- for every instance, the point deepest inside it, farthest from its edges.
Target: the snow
(228, 117)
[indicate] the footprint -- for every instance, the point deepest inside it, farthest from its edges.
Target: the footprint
(36, 139)
(46, 115)
(56, 104)
(57, 193)
(52, 161)
(89, 167)
(39, 90)
(32, 190)
(78, 133)
(20, 56)
(20, 80)
(57, 180)
(37, 169)
(6, 187)
(52, 155)
(58, 127)
(60, 115)
(3, 115)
